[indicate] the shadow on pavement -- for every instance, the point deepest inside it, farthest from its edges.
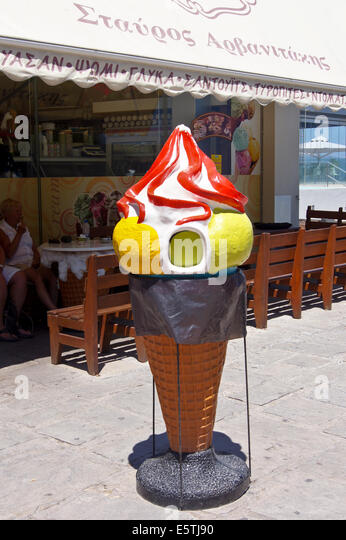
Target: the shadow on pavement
(279, 308)
(144, 449)
(119, 351)
(28, 350)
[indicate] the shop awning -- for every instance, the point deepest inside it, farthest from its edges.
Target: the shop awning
(289, 52)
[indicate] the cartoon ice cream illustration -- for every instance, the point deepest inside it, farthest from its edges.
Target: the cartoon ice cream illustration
(184, 321)
(240, 139)
(98, 209)
(254, 150)
(82, 208)
(237, 108)
(243, 162)
(112, 210)
(247, 150)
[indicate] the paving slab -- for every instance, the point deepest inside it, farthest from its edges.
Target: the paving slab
(337, 427)
(42, 472)
(297, 495)
(305, 411)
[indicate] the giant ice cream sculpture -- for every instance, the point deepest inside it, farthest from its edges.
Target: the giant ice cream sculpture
(185, 321)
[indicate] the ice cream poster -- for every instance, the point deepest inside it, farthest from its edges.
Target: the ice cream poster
(98, 209)
(68, 201)
(240, 127)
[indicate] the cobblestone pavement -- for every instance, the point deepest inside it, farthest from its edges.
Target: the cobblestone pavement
(70, 443)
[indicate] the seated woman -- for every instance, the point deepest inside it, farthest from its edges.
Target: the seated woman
(15, 280)
(21, 253)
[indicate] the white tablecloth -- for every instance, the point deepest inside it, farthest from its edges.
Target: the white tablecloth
(73, 256)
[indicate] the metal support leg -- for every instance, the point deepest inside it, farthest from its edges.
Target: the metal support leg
(247, 404)
(180, 440)
(154, 448)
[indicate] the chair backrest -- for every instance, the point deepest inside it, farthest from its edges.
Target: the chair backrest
(340, 246)
(318, 219)
(318, 244)
(103, 231)
(280, 252)
(98, 286)
(249, 266)
(272, 255)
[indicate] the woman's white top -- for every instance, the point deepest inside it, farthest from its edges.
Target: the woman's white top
(24, 254)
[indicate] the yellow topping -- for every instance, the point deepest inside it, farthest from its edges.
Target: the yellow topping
(137, 246)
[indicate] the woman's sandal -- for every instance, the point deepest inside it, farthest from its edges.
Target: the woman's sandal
(12, 324)
(10, 339)
(24, 334)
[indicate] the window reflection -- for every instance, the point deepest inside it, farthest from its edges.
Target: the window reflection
(16, 129)
(322, 148)
(98, 132)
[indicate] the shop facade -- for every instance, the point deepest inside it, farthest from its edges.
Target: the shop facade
(92, 144)
(83, 120)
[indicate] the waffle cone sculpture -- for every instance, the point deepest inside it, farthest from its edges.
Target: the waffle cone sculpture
(200, 374)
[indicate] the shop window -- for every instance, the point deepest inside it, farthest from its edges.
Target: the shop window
(96, 132)
(18, 168)
(65, 151)
(95, 144)
(322, 144)
(230, 134)
(16, 129)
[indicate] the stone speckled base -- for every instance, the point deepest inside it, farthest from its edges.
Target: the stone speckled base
(209, 480)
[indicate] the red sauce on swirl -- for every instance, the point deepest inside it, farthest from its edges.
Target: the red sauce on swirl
(164, 165)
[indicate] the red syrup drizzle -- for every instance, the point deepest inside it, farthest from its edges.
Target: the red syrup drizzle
(163, 167)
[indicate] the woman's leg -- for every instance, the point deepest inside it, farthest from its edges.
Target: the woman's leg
(18, 290)
(51, 282)
(41, 290)
(4, 333)
(3, 298)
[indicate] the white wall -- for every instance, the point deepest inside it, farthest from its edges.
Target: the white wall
(287, 163)
(322, 198)
(281, 164)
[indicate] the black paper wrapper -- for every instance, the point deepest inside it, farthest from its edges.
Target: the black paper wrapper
(191, 310)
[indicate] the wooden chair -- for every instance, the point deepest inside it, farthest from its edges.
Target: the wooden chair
(278, 273)
(98, 304)
(318, 219)
(340, 257)
(103, 231)
(284, 265)
(254, 301)
(319, 262)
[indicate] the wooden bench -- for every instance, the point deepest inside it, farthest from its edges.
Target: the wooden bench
(99, 305)
(340, 257)
(284, 265)
(275, 258)
(254, 301)
(318, 219)
(318, 262)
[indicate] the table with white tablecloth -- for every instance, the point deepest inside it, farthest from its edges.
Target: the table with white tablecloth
(71, 259)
